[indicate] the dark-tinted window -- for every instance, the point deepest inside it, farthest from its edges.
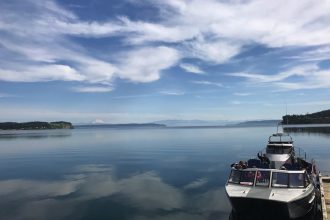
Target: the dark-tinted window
(297, 180)
(263, 178)
(247, 177)
(280, 179)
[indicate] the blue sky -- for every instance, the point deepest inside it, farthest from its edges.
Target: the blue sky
(125, 61)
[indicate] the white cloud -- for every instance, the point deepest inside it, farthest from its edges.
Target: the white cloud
(204, 82)
(242, 93)
(146, 64)
(92, 89)
(139, 32)
(210, 30)
(217, 52)
(41, 73)
(191, 68)
(306, 77)
(302, 70)
(46, 42)
(172, 92)
(278, 23)
(315, 54)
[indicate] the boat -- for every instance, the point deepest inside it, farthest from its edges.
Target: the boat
(278, 184)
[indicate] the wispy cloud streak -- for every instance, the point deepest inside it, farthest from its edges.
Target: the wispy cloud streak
(306, 77)
(204, 82)
(191, 68)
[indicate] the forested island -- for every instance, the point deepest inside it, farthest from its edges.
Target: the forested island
(35, 125)
(322, 117)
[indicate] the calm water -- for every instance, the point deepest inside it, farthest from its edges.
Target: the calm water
(129, 173)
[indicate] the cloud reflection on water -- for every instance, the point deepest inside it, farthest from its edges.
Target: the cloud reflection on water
(144, 193)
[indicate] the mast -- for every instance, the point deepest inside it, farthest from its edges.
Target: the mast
(286, 112)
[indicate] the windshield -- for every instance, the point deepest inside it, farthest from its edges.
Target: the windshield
(262, 178)
(280, 179)
(247, 177)
(297, 180)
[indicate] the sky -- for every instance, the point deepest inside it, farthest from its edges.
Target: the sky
(121, 61)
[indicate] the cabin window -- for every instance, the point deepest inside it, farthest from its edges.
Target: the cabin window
(286, 149)
(247, 177)
(262, 178)
(278, 149)
(297, 180)
(280, 179)
(235, 176)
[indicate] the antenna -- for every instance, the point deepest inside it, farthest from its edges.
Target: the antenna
(286, 112)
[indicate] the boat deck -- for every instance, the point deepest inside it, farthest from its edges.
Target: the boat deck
(325, 191)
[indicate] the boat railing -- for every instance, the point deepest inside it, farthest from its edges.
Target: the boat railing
(324, 173)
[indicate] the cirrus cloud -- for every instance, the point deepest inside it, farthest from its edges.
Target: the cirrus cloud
(37, 39)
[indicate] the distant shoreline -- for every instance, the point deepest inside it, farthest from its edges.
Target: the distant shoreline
(39, 125)
(35, 125)
(158, 125)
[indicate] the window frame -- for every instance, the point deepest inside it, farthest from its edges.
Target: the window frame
(279, 186)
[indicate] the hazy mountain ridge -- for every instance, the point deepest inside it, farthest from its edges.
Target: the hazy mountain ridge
(259, 123)
(183, 123)
(188, 123)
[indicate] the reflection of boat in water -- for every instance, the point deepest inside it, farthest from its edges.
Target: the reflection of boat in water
(278, 184)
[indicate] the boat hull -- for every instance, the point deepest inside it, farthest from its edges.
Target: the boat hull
(271, 209)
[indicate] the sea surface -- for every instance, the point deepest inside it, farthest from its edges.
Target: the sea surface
(130, 173)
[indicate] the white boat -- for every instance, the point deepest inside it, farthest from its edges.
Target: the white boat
(276, 185)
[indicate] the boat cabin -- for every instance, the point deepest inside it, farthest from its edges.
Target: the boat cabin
(270, 178)
(279, 143)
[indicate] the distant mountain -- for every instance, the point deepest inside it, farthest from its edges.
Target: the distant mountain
(322, 117)
(193, 123)
(129, 125)
(259, 123)
(98, 121)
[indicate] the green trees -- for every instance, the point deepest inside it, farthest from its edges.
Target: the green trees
(322, 117)
(35, 125)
